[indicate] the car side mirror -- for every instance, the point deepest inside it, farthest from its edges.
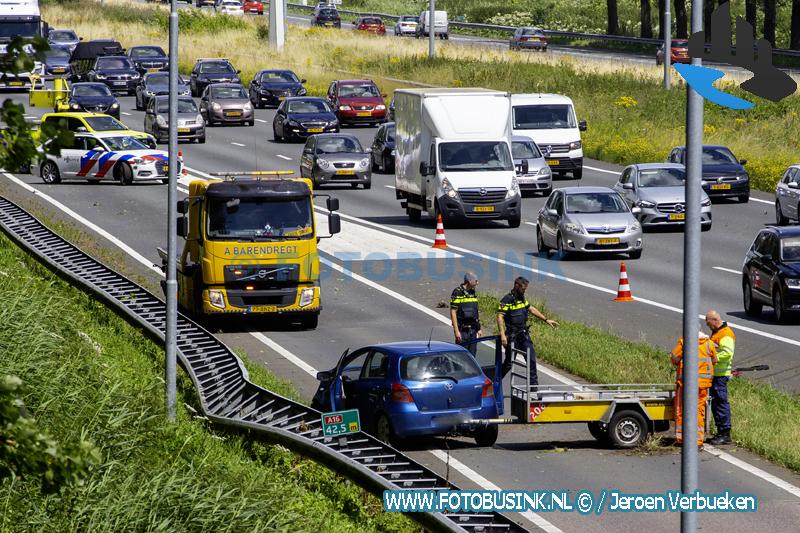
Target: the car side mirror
(628, 186)
(303, 80)
(384, 95)
(182, 229)
(81, 129)
(324, 375)
(636, 210)
(183, 206)
(552, 212)
(332, 204)
(80, 38)
(582, 125)
(743, 161)
(98, 148)
(238, 72)
(793, 185)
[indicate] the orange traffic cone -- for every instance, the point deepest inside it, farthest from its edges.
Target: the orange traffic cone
(440, 241)
(624, 290)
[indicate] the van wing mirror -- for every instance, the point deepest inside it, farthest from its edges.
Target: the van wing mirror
(582, 125)
(425, 169)
(182, 227)
(334, 223)
(332, 204)
(183, 206)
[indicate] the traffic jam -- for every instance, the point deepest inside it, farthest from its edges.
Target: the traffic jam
(458, 156)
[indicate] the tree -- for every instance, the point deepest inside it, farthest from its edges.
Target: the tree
(681, 20)
(770, 20)
(661, 11)
(613, 17)
(794, 43)
(647, 24)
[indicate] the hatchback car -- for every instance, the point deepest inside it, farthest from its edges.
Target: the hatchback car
(357, 102)
(301, 116)
(724, 176)
(658, 190)
(528, 39)
(335, 158)
(191, 126)
(117, 72)
(415, 389)
(229, 7)
(93, 97)
(679, 52)
(148, 58)
(154, 84)
(771, 273)
(588, 220)
(787, 196)
(406, 25)
(382, 151)
(325, 15)
(270, 87)
(66, 38)
(370, 25)
(533, 172)
(226, 103)
(253, 6)
(56, 61)
(206, 71)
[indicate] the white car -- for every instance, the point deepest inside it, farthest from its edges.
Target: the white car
(406, 25)
(98, 156)
(229, 7)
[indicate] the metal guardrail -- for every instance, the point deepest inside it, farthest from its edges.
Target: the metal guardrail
(228, 398)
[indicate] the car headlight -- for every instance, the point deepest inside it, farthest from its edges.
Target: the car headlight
(185, 92)
(99, 76)
(216, 299)
(248, 106)
(448, 189)
(574, 145)
(380, 107)
(149, 93)
(644, 204)
(344, 108)
(635, 226)
(216, 107)
(235, 80)
(160, 121)
(263, 91)
(394, 153)
(706, 202)
(293, 123)
(545, 171)
(793, 283)
(301, 92)
(135, 76)
(573, 227)
(364, 163)
(514, 190)
(323, 163)
(199, 119)
(306, 297)
(114, 105)
(75, 106)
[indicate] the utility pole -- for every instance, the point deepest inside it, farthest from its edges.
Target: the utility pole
(691, 282)
(277, 24)
(667, 43)
(171, 330)
(432, 29)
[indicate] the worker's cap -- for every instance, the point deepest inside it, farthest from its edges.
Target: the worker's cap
(470, 277)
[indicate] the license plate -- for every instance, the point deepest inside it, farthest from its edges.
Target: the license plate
(329, 23)
(607, 241)
(166, 168)
(553, 162)
(721, 187)
(58, 70)
(345, 172)
(483, 209)
(363, 114)
(281, 98)
(16, 83)
(677, 216)
(263, 309)
(314, 130)
(184, 130)
(152, 70)
(233, 113)
(119, 83)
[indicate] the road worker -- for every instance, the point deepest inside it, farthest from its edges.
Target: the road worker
(725, 342)
(464, 312)
(706, 357)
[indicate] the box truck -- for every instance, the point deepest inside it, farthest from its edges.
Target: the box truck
(453, 154)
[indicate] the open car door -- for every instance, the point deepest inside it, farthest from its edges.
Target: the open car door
(335, 384)
(488, 352)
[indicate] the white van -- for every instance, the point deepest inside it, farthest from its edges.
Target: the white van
(549, 119)
(440, 25)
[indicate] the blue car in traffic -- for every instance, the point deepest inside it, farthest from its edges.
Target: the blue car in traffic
(418, 389)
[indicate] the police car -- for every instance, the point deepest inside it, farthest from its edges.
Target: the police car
(99, 156)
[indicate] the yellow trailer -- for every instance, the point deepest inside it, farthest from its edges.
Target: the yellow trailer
(53, 92)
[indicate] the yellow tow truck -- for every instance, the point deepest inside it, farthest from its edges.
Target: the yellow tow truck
(53, 92)
(251, 246)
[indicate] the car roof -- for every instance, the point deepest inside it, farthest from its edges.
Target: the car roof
(652, 166)
(586, 189)
(416, 347)
(355, 82)
(683, 147)
(225, 84)
(74, 114)
(113, 57)
(76, 84)
(303, 98)
(784, 231)
(330, 135)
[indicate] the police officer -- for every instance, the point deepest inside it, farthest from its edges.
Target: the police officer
(512, 323)
(464, 311)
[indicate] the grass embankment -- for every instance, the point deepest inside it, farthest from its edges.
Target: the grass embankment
(631, 117)
(96, 377)
(765, 420)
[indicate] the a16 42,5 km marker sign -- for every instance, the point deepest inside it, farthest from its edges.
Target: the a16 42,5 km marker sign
(340, 423)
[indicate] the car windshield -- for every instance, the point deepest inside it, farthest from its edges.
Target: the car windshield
(372, 21)
(113, 63)
(328, 13)
(161, 78)
(309, 106)
(62, 35)
(185, 105)
(429, 366)
(226, 93)
(232, 3)
(790, 249)
(149, 51)
(390, 134)
(95, 89)
(718, 156)
(474, 156)
(260, 219)
(125, 142)
(339, 145)
(532, 31)
(216, 68)
(279, 76)
(679, 43)
(358, 91)
(544, 117)
(662, 177)
(525, 150)
(596, 202)
(105, 123)
(409, 18)
(58, 52)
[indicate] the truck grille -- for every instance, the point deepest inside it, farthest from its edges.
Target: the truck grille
(482, 196)
(606, 229)
(152, 64)
(118, 77)
(673, 207)
(554, 148)
(363, 107)
(344, 165)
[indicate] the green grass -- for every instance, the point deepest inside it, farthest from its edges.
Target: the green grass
(95, 376)
(765, 420)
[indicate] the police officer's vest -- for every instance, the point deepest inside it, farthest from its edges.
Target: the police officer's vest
(466, 304)
(515, 313)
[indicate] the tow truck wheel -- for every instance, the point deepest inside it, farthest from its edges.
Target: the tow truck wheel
(486, 437)
(50, 173)
(627, 429)
(598, 431)
(310, 321)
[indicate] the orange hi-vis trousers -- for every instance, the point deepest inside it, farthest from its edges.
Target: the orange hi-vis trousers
(701, 414)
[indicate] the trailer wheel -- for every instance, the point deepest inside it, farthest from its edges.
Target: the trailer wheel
(599, 432)
(627, 429)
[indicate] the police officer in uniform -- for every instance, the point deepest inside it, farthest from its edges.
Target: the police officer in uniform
(512, 323)
(464, 312)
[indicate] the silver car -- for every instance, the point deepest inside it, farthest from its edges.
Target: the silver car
(226, 103)
(335, 158)
(588, 220)
(533, 172)
(658, 190)
(787, 196)
(191, 126)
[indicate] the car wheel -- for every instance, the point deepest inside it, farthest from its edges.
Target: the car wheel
(515, 221)
(373, 164)
(627, 429)
(202, 140)
(384, 431)
(744, 198)
(705, 227)
(541, 247)
(751, 307)
(368, 184)
(636, 254)
(50, 173)
(780, 218)
(251, 123)
(562, 253)
(777, 306)
(123, 173)
(487, 436)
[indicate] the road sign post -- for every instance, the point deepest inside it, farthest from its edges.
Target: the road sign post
(667, 44)
(338, 423)
(277, 24)
(432, 29)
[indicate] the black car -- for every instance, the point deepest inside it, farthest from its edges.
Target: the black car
(56, 61)
(271, 87)
(326, 16)
(85, 55)
(771, 273)
(156, 83)
(148, 58)
(724, 176)
(382, 151)
(299, 117)
(207, 71)
(93, 97)
(116, 72)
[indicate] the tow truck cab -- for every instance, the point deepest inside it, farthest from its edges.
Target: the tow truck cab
(251, 248)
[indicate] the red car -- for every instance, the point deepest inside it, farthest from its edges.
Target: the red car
(357, 102)
(680, 52)
(253, 6)
(371, 25)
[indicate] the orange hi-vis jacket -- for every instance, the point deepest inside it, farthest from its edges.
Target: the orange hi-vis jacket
(706, 359)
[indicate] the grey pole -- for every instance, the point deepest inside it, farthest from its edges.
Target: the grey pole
(277, 24)
(691, 282)
(172, 229)
(432, 29)
(667, 42)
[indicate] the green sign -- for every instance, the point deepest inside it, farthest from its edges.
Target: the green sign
(340, 423)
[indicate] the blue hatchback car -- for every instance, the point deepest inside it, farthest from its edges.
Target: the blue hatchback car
(418, 388)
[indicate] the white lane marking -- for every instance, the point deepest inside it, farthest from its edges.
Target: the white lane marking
(261, 120)
(747, 467)
(732, 271)
(201, 173)
(602, 170)
(238, 144)
(573, 281)
(125, 113)
(91, 225)
(390, 186)
(488, 485)
(283, 157)
(770, 202)
(530, 223)
(308, 369)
